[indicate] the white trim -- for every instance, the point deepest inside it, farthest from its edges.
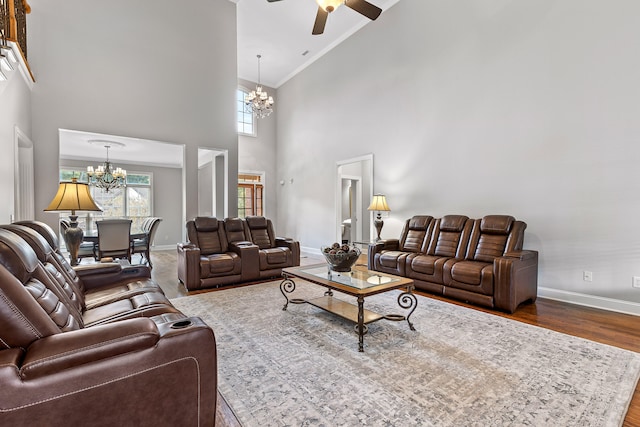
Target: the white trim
(253, 116)
(603, 303)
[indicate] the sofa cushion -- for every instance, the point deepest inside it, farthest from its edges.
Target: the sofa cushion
(217, 264)
(472, 276)
(424, 264)
(274, 258)
(389, 259)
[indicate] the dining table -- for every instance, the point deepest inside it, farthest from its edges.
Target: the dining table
(92, 236)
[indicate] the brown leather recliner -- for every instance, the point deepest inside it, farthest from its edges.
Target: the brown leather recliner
(391, 258)
(57, 371)
(233, 251)
(276, 253)
(207, 260)
(479, 261)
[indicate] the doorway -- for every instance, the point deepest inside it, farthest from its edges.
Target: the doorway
(24, 178)
(354, 191)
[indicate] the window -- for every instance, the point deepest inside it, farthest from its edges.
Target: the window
(134, 201)
(250, 191)
(245, 119)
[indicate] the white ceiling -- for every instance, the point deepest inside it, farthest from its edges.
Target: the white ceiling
(78, 145)
(279, 31)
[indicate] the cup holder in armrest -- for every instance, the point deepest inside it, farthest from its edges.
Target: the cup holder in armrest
(181, 324)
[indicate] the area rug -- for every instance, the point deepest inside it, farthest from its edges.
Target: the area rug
(461, 367)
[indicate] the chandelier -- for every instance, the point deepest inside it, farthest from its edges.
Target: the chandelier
(105, 177)
(258, 101)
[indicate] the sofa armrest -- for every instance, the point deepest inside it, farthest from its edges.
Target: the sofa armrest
(107, 274)
(170, 382)
(515, 279)
(522, 255)
(379, 246)
(293, 245)
(249, 254)
(189, 265)
(62, 351)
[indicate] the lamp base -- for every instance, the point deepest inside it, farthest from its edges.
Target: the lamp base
(378, 223)
(73, 238)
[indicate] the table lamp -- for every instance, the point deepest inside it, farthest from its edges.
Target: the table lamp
(73, 196)
(379, 204)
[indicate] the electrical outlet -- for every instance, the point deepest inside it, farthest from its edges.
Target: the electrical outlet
(587, 276)
(635, 283)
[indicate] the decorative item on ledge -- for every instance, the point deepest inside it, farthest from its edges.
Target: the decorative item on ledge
(379, 204)
(73, 196)
(258, 101)
(104, 176)
(340, 257)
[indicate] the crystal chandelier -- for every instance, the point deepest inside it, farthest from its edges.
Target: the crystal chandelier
(258, 101)
(105, 177)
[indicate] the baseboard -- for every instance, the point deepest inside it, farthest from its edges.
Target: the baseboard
(310, 251)
(592, 301)
(163, 247)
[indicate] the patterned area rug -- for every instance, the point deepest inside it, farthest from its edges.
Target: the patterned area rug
(460, 367)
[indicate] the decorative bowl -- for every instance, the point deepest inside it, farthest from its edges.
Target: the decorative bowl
(340, 257)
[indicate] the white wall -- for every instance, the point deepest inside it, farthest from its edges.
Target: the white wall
(15, 111)
(151, 69)
(528, 108)
(259, 153)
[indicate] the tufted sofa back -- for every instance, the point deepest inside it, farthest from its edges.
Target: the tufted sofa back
(260, 229)
(414, 233)
(19, 260)
(493, 236)
(450, 236)
(235, 230)
(208, 234)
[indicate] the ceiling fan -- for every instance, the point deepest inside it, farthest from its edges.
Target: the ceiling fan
(327, 6)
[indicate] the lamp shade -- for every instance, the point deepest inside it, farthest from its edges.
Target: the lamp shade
(73, 196)
(379, 203)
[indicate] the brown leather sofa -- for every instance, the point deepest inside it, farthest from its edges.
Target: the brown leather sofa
(233, 251)
(103, 347)
(480, 261)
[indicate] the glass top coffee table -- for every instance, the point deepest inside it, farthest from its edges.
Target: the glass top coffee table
(359, 283)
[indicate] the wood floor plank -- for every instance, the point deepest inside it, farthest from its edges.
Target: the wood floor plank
(616, 329)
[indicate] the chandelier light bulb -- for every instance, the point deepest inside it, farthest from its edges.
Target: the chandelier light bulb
(329, 5)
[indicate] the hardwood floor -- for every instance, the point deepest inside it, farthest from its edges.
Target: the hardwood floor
(619, 330)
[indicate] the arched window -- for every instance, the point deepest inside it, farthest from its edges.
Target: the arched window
(246, 122)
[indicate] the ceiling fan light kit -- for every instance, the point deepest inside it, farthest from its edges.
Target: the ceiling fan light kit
(325, 7)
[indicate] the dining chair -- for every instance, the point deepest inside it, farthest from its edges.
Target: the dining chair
(114, 238)
(143, 245)
(86, 250)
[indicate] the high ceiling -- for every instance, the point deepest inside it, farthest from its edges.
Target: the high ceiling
(281, 33)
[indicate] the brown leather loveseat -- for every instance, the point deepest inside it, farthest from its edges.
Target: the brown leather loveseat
(101, 345)
(476, 260)
(233, 251)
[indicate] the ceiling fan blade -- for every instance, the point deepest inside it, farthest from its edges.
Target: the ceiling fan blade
(365, 8)
(271, 1)
(321, 20)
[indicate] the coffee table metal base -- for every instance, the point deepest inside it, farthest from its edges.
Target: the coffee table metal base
(349, 311)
